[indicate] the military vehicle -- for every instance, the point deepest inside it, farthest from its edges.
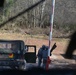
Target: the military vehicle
(12, 53)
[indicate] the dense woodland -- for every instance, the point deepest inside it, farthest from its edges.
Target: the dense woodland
(37, 20)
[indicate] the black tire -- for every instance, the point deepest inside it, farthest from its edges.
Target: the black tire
(23, 66)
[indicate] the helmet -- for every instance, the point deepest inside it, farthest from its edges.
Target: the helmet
(43, 46)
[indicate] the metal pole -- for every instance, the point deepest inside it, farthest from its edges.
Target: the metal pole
(51, 25)
(50, 35)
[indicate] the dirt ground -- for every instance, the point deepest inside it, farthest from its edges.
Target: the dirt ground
(57, 58)
(57, 54)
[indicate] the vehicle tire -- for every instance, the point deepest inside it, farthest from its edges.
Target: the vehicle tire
(23, 66)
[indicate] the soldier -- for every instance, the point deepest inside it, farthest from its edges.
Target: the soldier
(39, 55)
(42, 55)
(45, 56)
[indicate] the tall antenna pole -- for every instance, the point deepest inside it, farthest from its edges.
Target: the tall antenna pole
(50, 35)
(51, 25)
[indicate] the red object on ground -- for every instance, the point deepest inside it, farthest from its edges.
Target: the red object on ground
(48, 62)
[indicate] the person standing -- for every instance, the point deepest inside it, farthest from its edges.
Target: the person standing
(39, 55)
(45, 56)
(42, 56)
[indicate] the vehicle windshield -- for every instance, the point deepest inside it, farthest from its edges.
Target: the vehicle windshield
(9, 47)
